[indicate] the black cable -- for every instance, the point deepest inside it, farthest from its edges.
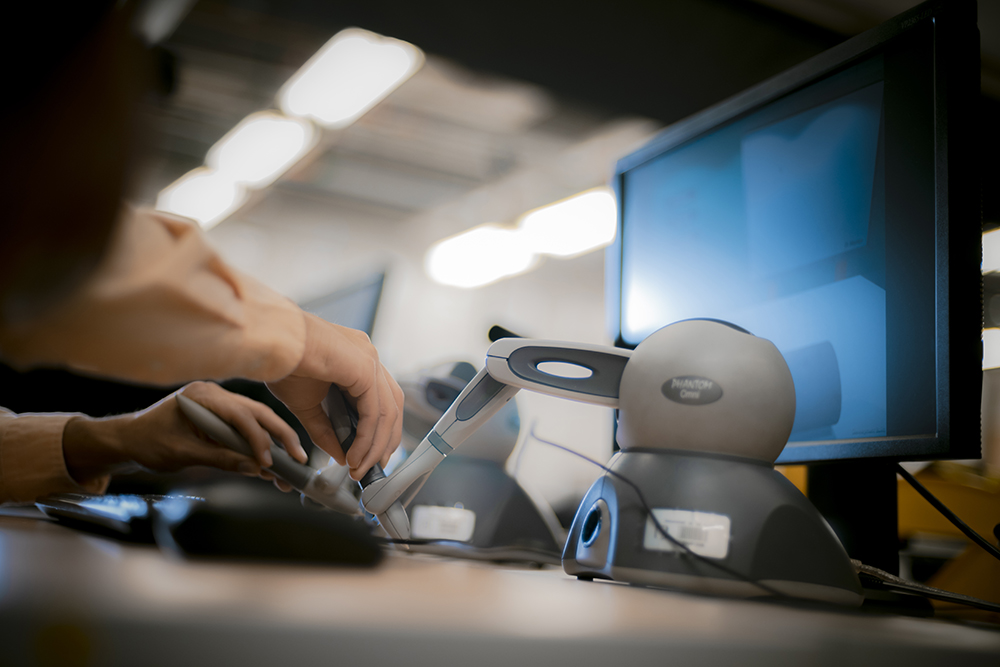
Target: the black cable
(649, 511)
(948, 514)
(876, 578)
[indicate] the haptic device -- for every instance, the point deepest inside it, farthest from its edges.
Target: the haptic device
(692, 500)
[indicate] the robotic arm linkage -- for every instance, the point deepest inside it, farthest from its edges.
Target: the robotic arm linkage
(512, 364)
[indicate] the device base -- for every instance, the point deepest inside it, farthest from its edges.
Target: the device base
(735, 513)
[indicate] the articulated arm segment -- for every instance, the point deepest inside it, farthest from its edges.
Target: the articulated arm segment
(511, 364)
(480, 400)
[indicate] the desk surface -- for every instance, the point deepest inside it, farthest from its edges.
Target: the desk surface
(63, 594)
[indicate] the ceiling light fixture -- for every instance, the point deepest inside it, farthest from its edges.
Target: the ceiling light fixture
(568, 228)
(205, 195)
(991, 348)
(991, 251)
(478, 257)
(573, 226)
(352, 73)
(261, 148)
(348, 76)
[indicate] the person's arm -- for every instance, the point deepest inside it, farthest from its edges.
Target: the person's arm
(45, 454)
(347, 358)
(164, 308)
(31, 458)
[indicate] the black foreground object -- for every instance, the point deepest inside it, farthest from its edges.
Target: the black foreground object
(247, 520)
(125, 517)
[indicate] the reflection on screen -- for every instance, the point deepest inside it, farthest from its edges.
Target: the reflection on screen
(776, 224)
(808, 182)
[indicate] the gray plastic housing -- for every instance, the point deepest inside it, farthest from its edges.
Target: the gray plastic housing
(508, 525)
(706, 386)
(517, 362)
(776, 536)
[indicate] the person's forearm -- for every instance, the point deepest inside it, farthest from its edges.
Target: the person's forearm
(94, 448)
(163, 308)
(33, 464)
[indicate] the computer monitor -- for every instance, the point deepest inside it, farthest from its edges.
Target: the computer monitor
(351, 306)
(834, 210)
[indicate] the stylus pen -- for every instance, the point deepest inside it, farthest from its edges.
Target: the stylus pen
(304, 478)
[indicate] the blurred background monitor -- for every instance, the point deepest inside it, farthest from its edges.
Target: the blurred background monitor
(354, 306)
(833, 210)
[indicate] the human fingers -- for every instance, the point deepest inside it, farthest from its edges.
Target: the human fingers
(369, 407)
(160, 438)
(399, 398)
(278, 482)
(345, 357)
(397, 433)
(318, 426)
(256, 422)
(380, 409)
(304, 397)
(388, 430)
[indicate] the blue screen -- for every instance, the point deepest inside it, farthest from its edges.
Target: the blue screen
(777, 222)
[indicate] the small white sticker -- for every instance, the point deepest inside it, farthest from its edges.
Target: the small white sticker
(431, 522)
(703, 533)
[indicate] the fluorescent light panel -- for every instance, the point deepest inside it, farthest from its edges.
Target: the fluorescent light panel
(991, 348)
(478, 257)
(991, 251)
(204, 195)
(348, 76)
(353, 72)
(485, 254)
(251, 156)
(261, 148)
(573, 226)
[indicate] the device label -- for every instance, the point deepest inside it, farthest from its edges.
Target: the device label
(692, 390)
(703, 533)
(432, 522)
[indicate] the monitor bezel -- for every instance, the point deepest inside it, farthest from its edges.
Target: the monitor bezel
(957, 214)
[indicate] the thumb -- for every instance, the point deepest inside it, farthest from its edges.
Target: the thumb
(317, 425)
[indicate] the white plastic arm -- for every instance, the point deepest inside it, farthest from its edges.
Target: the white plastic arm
(480, 400)
(511, 364)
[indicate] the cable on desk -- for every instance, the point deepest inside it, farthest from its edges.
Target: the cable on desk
(948, 514)
(876, 578)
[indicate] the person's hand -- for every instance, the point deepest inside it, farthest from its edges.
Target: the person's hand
(344, 357)
(161, 439)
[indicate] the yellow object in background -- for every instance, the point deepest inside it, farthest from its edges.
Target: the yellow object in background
(796, 475)
(975, 499)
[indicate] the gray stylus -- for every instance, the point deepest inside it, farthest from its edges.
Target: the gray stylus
(306, 479)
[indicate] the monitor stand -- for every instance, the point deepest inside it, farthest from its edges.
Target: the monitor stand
(858, 500)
